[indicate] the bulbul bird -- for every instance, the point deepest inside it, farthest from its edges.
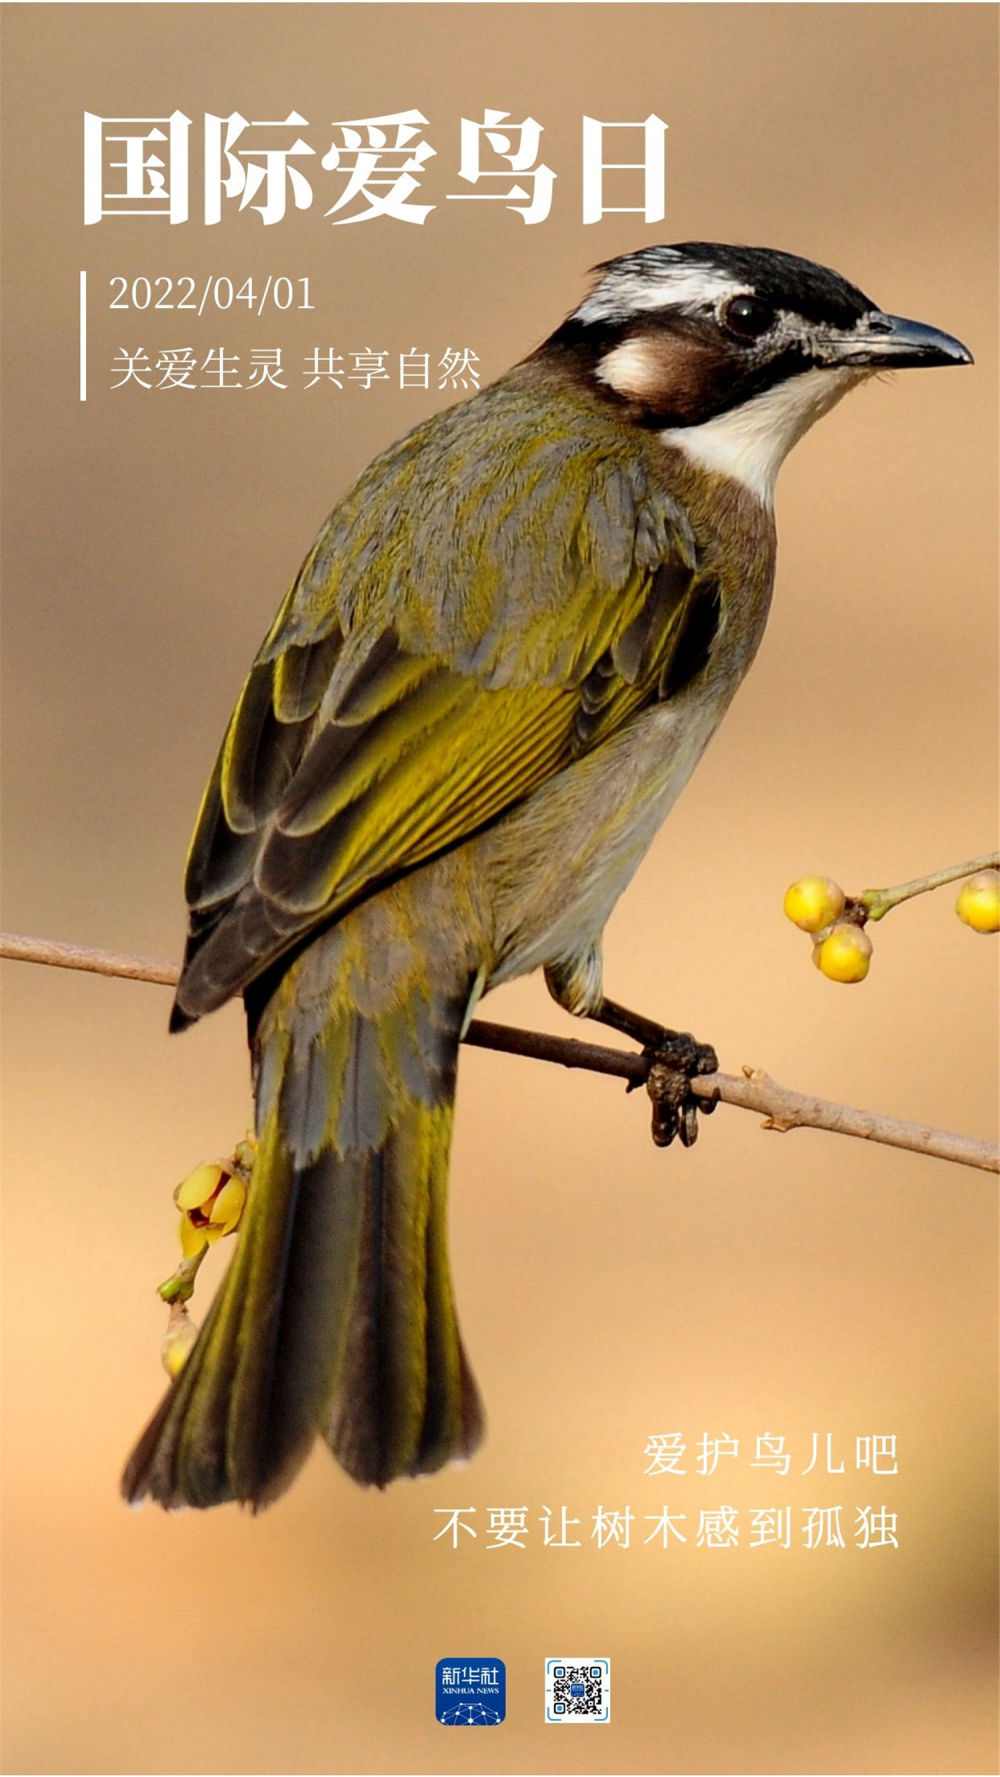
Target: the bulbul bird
(494, 673)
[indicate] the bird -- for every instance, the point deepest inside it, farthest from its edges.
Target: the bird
(494, 673)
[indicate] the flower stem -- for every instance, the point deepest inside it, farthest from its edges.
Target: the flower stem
(876, 903)
(180, 1287)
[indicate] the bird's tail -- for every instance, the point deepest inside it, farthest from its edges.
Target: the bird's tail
(336, 1315)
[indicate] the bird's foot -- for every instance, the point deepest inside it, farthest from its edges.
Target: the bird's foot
(675, 1059)
(672, 1068)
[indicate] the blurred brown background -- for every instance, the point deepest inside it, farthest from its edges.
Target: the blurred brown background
(607, 1291)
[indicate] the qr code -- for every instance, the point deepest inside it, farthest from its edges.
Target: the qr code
(578, 1690)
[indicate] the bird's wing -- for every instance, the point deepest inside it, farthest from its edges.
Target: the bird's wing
(361, 747)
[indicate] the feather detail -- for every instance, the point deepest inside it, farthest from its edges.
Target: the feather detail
(336, 1316)
(410, 692)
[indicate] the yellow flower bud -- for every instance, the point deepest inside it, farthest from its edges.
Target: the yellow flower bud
(814, 902)
(246, 1152)
(978, 903)
(845, 954)
(178, 1340)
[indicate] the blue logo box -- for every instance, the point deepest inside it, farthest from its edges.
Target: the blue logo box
(470, 1692)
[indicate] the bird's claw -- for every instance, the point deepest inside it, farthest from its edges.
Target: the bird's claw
(673, 1064)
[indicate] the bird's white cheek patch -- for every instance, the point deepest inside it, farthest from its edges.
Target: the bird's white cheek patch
(750, 443)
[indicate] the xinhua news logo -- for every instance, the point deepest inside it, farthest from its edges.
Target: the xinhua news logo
(470, 1693)
(577, 1690)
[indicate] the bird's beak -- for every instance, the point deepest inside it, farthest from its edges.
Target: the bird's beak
(888, 342)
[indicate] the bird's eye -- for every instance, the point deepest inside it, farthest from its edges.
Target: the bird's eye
(747, 317)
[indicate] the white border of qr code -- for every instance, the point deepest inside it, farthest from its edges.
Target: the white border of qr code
(555, 1669)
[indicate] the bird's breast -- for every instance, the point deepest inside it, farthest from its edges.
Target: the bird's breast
(557, 864)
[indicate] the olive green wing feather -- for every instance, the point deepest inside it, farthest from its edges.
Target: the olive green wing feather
(364, 745)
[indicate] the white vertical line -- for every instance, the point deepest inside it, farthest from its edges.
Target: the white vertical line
(593, 171)
(83, 336)
(655, 157)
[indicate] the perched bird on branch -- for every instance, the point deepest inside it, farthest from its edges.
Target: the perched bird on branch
(496, 670)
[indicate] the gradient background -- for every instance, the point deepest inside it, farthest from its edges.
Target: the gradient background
(607, 1291)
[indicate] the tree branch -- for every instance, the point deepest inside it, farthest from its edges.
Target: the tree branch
(81, 956)
(781, 1108)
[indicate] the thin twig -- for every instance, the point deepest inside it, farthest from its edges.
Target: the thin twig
(876, 903)
(781, 1108)
(81, 956)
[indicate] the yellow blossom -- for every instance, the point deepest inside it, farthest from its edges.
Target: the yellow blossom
(211, 1201)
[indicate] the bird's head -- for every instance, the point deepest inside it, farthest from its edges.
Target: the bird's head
(732, 352)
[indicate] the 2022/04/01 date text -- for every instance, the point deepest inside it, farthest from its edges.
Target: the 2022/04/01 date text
(215, 291)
